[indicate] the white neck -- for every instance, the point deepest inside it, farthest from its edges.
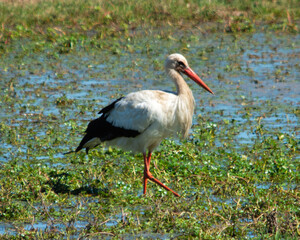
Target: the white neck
(181, 85)
(186, 102)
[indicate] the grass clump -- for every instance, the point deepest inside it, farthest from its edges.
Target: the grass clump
(103, 18)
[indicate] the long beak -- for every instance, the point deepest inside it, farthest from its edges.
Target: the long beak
(192, 75)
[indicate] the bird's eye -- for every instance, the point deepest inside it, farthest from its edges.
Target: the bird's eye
(181, 64)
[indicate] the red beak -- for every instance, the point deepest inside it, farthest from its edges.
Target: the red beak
(192, 75)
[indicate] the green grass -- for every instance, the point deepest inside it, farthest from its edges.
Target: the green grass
(48, 19)
(224, 193)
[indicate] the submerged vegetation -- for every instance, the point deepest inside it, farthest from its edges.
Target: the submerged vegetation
(238, 171)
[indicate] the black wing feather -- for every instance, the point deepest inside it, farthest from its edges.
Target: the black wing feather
(108, 108)
(104, 130)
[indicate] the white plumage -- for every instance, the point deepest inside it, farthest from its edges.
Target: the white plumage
(151, 113)
(141, 120)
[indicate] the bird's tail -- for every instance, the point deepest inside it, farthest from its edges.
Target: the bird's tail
(72, 151)
(88, 142)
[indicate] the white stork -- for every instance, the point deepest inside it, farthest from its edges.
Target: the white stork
(141, 120)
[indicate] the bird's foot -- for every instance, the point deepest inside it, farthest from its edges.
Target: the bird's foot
(148, 175)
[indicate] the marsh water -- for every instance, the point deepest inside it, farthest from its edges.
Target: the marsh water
(255, 78)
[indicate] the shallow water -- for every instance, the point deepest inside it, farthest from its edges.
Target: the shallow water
(255, 77)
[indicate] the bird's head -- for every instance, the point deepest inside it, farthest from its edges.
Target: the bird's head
(178, 63)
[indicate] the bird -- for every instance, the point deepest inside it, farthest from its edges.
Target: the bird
(139, 121)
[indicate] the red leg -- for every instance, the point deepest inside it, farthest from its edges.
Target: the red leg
(148, 175)
(145, 176)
